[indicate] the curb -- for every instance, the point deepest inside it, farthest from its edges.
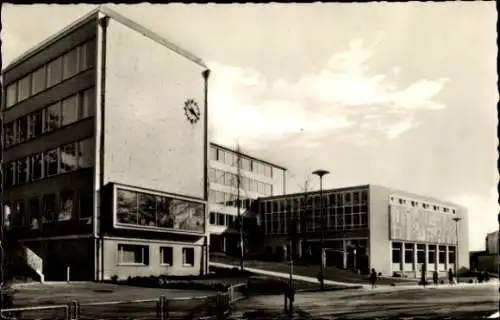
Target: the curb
(329, 289)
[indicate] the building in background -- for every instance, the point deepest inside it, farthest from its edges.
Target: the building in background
(105, 153)
(492, 242)
(368, 227)
(489, 259)
(257, 177)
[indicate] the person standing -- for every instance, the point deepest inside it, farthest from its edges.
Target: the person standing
(373, 277)
(450, 276)
(435, 278)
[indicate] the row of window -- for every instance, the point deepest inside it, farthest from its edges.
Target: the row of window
(67, 158)
(50, 208)
(231, 179)
(280, 223)
(62, 113)
(150, 210)
(424, 205)
(54, 72)
(224, 219)
(435, 253)
(139, 254)
(339, 199)
(229, 199)
(232, 159)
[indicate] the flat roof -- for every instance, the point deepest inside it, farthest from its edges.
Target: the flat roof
(115, 16)
(248, 156)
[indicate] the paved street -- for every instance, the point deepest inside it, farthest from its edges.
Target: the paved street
(463, 301)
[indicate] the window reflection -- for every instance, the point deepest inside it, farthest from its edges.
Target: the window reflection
(85, 153)
(38, 81)
(48, 208)
(163, 212)
(68, 161)
(54, 72)
(51, 163)
(36, 166)
(69, 112)
(11, 95)
(35, 127)
(22, 171)
(34, 205)
(53, 117)
(21, 129)
(66, 206)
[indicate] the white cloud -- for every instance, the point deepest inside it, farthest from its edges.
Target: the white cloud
(245, 104)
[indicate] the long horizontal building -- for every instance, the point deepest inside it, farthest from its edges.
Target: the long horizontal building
(368, 226)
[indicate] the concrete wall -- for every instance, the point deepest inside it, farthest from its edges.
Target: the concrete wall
(113, 267)
(149, 142)
(492, 243)
(379, 248)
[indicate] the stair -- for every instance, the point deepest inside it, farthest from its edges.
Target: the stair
(21, 262)
(34, 262)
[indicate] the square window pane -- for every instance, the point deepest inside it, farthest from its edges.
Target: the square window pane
(53, 117)
(88, 55)
(146, 209)
(48, 208)
(11, 173)
(51, 163)
(37, 166)
(88, 103)
(21, 129)
(70, 64)
(86, 153)
(66, 206)
(167, 256)
(24, 88)
(35, 124)
(69, 110)
(38, 81)
(9, 135)
(188, 256)
(126, 211)
(69, 160)
(11, 93)
(54, 72)
(35, 214)
(23, 170)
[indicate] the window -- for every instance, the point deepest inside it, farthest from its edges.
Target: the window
(53, 117)
(165, 219)
(36, 167)
(21, 129)
(69, 113)
(127, 207)
(442, 254)
(213, 153)
(11, 177)
(451, 255)
(212, 217)
(409, 253)
(146, 209)
(188, 256)
(432, 254)
(11, 95)
(38, 81)
(23, 170)
(51, 164)
(68, 161)
(34, 206)
(88, 55)
(66, 206)
(220, 219)
(85, 153)
(167, 256)
(48, 208)
(70, 64)
(133, 254)
(35, 124)
(85, 204)
(54, 72)
(19, 217)
(24, 88)
(420, 253)
(396, 252)
(9, 135)
(88, 99)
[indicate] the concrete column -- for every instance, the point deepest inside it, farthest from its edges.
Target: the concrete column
(426, 259)
(415, 258)
(344, 253)
(447, 259)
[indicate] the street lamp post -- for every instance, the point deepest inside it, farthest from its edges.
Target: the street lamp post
(456, 219)
(320, 173)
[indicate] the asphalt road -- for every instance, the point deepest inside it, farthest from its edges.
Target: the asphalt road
(465, 302)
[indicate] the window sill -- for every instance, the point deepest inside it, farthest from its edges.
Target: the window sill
(165, 264)
(132, 264)
(187, 265)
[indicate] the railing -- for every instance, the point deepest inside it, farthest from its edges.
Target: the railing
(161, 308)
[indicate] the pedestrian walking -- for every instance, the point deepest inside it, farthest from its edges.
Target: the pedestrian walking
(450, 276)
(373, 277)
(435, 278)
(423, 279)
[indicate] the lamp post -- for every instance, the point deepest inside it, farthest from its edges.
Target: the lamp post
(320, 173)
(456, 219)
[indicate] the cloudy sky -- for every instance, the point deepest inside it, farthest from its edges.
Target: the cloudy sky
(398, 94)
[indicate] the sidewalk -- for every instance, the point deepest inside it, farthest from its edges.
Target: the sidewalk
(287, 276)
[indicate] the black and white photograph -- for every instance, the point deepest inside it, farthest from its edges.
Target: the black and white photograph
(326, 160)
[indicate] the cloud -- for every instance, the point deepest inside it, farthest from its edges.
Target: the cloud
(248, 106)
